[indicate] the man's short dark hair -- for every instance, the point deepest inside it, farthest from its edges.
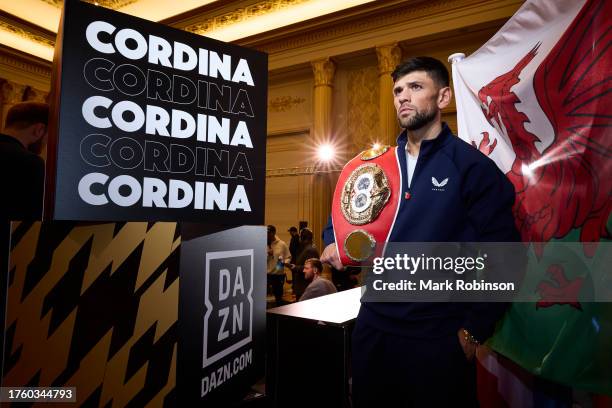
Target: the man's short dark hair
(272, 229)
(292, 229)
(25, 114)
(434, 68)
(306, 234)
(315, 263)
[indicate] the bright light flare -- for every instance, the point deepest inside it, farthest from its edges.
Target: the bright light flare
(326, 152)
(376, 146)
(527, 171)
(556, 154)
(325, 155)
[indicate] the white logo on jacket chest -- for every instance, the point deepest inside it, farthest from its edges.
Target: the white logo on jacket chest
(438, 185)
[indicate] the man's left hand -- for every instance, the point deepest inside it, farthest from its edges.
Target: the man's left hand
(330, 256)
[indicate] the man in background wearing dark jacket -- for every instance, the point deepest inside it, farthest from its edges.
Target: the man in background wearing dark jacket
(294, 244)
(22, 175)
(422, 354)
(22, 170)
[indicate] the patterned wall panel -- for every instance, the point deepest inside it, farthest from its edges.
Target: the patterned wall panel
(290, 105)
(362, 109)
(94, 306)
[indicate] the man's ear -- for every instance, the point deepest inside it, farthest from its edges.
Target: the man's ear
(444, 97)
(39, 130)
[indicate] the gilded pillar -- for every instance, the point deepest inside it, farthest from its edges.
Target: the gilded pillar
(35, 95)
(323, 71)
(389, 56)
(12, 93)
(321, 191)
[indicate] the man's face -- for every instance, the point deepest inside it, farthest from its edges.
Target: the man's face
(270, 237)
(415, 96)
(309, 271)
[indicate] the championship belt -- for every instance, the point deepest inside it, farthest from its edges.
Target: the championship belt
(365, 204)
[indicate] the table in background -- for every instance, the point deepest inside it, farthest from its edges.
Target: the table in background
(308, 351)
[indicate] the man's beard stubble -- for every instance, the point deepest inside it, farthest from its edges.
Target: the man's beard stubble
(418, 120)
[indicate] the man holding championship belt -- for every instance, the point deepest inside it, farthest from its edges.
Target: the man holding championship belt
(432, 187)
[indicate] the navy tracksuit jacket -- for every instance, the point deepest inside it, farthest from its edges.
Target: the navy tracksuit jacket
(475, 205)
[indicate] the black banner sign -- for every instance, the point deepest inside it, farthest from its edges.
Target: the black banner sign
(222, 319)
(155, 123)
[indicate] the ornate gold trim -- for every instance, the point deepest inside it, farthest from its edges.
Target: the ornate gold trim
(26, 34)
(295, 38)
(12, 92)
(241, 14)
(388, 57)
(284, 103)
(323, 71)
(24, 62)
(110, 4)
(374, 152)
(55, 3)
(36, 95)
(297, 171)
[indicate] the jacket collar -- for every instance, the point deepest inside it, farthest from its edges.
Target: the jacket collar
(427, 146)
(7, 138)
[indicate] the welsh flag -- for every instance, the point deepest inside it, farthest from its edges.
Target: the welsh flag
(537, 99)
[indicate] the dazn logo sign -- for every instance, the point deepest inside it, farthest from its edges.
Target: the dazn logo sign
(228, 319)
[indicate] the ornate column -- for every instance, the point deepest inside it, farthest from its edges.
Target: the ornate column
(11, 93)
(321, 191)
(36, 95)
(389, 56)
(323, 71)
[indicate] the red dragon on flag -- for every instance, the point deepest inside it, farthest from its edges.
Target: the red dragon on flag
(569, 184)
(557, 68)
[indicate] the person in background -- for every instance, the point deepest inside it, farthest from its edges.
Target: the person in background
(22, 175)
(22, 170)
(294, 244)
(278, 255)
(307, 251)
(318, 285)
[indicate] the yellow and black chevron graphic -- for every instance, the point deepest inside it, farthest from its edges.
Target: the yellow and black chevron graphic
(94, 306)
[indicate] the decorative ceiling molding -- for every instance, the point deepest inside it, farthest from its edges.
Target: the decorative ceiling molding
(111, 4)
(19, 66)
(55, 3)
(25, 33)
(336, 34)
(328, 25)
(23, 61)
(26, 29)
(386, 21)
(337, 27)
(240, 15)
